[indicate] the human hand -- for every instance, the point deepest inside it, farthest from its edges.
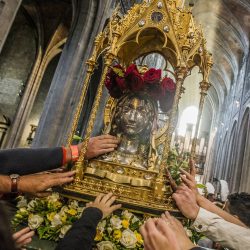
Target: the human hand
(177, 227)
(104, 203)
(157, 235)
(37, 183)
(100, 145)
(186, 201)
(23, 237)
(189, 180)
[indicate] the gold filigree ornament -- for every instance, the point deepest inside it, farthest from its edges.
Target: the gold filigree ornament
(157, 26)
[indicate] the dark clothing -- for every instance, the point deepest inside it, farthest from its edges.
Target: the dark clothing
(24, 161)
(81, 235)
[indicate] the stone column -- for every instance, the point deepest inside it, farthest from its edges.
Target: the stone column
(8, 10)
(67, 83)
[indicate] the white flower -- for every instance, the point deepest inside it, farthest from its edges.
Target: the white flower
(106, 245)
(74, 204)
(63, 210)
(116, 222)
(31, 205)
(188, 232)
(109, 230)
(80, 210)
(128, 239)
(135, 219)
(126, 214)
(22, 202)
(23, 211)
(34, 221)
(101, 226)
(64, 230)
(53, 198)
(56, 221)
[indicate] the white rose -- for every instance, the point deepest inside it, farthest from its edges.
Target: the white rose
(126, 214)
(22, 202)
(56, 221)
(128, 239)
(64, 230)
(188, 232)
(106, 245)
(101, 226)
(116, 222)
(53, 198)
(31, 205)
(34, 221)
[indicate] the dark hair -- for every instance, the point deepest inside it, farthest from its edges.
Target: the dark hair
(6, 241)
(239, 205)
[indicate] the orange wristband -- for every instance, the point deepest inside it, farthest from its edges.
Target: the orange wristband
(74, 153)
(64, 156)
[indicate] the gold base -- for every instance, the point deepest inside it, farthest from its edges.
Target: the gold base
(141, 199)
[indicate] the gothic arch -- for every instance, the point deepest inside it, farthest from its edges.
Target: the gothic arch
(229, 163)
(241, 150)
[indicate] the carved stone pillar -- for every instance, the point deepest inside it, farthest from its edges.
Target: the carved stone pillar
(8, 10)
(66, 86)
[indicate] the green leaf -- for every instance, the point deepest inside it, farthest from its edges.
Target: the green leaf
(198, 185)
(77, 138)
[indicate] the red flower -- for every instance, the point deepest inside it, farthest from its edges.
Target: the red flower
(152, 76)
(168, 85)
(114, 82)
(133, 78)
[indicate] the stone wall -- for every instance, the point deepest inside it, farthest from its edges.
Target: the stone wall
(16, 61)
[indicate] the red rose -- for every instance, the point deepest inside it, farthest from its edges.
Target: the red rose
(168, 85)
(133, 78)
(155, 91)
(115, 83)
(121, 83)
(152, 76)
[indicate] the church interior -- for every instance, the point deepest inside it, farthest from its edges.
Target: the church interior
(44, 47)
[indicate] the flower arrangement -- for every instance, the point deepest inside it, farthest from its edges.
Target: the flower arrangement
(119, 232)
(50, 217)
(120, 81)
(53, 216)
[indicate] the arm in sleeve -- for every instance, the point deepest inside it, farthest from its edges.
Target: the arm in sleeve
(81, 235)
(218, 230)
(24, 161)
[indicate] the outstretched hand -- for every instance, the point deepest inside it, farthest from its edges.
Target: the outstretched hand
(104, 202)
(101, 145)
(186, 201)
(157, 235)
(39, 183)
(23, 237)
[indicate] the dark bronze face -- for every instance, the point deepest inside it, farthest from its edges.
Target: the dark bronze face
(134, 118)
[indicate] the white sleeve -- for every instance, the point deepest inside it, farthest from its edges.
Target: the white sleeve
(221, 231)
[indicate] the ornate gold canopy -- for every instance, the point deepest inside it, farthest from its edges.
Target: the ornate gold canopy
(161, 26)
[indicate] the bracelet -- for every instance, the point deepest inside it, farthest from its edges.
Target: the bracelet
(64, 161)
(74, 153)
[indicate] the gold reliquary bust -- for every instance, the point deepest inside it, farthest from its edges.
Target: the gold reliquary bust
(132, 113)
(143, 104)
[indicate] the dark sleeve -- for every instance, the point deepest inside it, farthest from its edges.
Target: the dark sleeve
(81, 235)
(198, 248)
(24, 161)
